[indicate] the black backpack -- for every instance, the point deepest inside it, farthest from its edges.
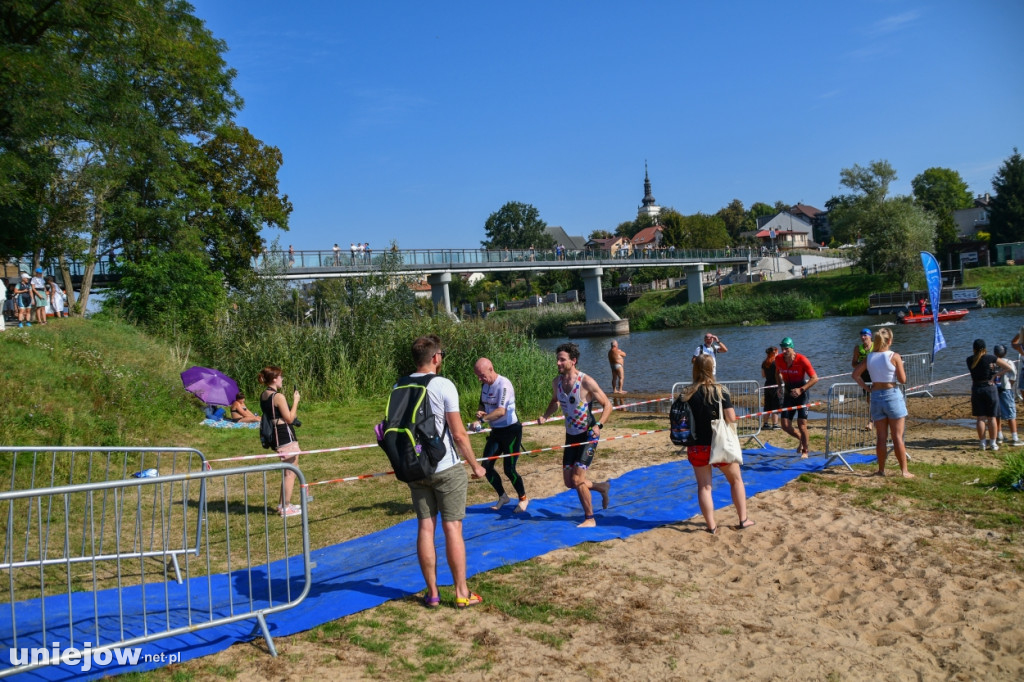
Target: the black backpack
(680, 422)
(268, 432)
(408, 435)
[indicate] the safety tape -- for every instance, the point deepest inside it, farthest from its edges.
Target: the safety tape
(241, 458)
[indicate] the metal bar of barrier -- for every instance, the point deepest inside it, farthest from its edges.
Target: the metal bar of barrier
(35, 467)
(247, 573)
(846, 427)
(919, 370)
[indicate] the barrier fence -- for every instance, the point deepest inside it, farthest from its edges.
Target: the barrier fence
(159, 527)
(919, 370)
(846, 426)
(247, 570)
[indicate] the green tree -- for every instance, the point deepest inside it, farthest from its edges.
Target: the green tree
(1006, 212)
(895, 232)
(871, 182)
(941, 191)
(516, 226)
(736, 219)
(698, 231)
(842, 230)
(600, 234)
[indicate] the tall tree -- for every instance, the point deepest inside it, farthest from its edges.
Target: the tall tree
(132, 101)
(1006, 212)
(600, 234)
(698, 231)
(895, 232)
(736, 219)
(870, 182)
(941, 191)
(516, 226)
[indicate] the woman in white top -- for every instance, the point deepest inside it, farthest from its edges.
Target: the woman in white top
(888, 407)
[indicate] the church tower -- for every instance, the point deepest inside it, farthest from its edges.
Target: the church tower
(648, 207)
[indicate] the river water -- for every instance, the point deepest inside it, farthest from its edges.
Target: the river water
(657, 359)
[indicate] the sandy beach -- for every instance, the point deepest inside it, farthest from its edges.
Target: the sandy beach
(822, 588)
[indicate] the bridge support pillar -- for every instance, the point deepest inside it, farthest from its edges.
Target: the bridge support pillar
(439, 291)
(694, 283)
(596, 308)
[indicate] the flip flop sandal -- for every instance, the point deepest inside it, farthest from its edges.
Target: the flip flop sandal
(465, 602)
(431, 602)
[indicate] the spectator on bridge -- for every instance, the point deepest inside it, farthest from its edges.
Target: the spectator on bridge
(352, 250)
(368, 254)
(291, 256)
(712, 346)
(337, 254)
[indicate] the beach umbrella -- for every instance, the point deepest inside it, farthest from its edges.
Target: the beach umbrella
(209, 385)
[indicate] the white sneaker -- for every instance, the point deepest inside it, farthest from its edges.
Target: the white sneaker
(1017, 441)
(999, 437)
(984, 444)
(995, 446)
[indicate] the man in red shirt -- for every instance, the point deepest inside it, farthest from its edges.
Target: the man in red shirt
(796, 376)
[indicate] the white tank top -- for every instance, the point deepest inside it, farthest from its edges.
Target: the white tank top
(880, 367)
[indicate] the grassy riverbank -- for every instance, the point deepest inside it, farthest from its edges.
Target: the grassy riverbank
(839, 292)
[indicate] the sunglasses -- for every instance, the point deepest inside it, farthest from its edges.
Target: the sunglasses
(441, 353)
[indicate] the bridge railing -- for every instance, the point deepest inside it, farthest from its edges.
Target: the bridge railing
(406, 258)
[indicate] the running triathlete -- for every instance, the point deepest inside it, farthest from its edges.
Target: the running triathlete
(498, 408)
(797, 377)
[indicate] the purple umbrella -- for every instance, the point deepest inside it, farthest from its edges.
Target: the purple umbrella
(209, 385)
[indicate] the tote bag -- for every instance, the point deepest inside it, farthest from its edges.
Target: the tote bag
(725, 444)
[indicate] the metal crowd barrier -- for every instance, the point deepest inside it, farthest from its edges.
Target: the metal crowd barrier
(119, 603)
(745, 400)
(919, 373)
(50, 539)
(846, 428)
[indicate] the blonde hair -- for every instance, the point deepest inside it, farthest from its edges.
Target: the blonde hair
(704, 375)
(882, 340)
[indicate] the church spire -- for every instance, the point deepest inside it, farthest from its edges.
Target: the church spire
(649, 199)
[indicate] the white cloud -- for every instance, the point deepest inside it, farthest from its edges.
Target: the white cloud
(896, 22)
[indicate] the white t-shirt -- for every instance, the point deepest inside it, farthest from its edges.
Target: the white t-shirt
(444, 398)
(499, 394)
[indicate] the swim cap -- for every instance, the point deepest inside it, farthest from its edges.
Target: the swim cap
(999, 350)
(865, 330)
(786, 343)
(39, 270)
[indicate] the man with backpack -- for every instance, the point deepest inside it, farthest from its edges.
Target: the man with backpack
(444, 490)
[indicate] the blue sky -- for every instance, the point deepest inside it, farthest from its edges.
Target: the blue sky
(416, 121)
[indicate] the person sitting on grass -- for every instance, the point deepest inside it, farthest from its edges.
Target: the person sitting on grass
(240, 413)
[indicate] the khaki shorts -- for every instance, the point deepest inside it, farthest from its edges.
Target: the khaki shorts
(444, 492)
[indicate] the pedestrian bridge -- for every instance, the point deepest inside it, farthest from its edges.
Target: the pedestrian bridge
(439, 264)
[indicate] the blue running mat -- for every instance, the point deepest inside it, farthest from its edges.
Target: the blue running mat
(368, 571)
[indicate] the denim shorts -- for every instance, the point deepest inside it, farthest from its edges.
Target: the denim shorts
(1007, 405)
(888, 403)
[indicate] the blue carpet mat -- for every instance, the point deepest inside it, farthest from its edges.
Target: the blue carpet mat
(377, 568)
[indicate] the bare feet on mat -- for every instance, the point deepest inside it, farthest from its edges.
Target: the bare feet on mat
(521, 507)
(603, 488)
(502, 501)
(588, 522)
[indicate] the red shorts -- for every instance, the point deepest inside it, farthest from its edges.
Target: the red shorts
(700, 455)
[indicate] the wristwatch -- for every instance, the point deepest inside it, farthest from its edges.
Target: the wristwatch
(599, 425)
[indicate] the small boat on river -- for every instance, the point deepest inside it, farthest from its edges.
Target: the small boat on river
(918, 318)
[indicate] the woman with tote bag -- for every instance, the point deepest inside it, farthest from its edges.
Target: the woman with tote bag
(710, 401)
